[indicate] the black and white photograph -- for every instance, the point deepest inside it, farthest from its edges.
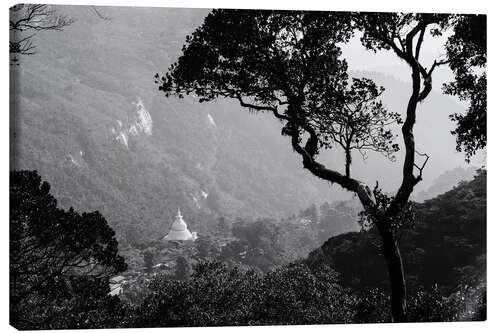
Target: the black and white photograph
(197, 167)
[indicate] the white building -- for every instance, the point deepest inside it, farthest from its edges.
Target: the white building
(179, 230)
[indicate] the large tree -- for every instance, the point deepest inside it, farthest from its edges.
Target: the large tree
(60, 261)
(289, 63)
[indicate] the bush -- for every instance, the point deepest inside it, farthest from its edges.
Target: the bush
(212, 296)
(217, 296)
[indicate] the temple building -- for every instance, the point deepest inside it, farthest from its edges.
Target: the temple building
(179, 230)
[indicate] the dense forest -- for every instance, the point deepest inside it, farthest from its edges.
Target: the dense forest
(339, 282)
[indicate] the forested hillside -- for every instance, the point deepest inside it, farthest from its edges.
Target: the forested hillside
(86, 114)
(446, 247)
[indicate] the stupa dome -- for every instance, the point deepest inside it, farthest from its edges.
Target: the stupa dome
(179, 230)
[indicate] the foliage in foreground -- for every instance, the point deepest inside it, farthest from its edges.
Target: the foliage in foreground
(292, 294)
(60, 261)
(216, 295)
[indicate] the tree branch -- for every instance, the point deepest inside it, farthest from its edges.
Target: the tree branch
(319, 170)
(421, 168)
(419, 43)
(273, 109)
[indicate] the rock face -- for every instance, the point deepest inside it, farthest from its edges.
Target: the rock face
(137, 123)
(179, 230)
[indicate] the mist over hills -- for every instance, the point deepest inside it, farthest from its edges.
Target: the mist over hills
(445, 182)
(86, 113)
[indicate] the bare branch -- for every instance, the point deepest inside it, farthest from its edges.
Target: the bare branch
(33, 18)
(427, 75)
(421, 168)
(99, 14)
(23, 46)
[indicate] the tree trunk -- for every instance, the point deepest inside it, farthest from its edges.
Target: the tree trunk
(394, 264)
(348, 162)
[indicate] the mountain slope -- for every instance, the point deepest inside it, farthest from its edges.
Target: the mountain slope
(446, 247)
(446, 182)
(85, 113)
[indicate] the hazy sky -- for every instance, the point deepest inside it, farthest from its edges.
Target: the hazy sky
(387, 62)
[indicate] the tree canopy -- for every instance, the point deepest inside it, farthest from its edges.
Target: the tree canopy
(57, 257)
(466, 50)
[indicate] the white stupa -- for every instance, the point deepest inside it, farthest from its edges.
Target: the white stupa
(179, 230)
